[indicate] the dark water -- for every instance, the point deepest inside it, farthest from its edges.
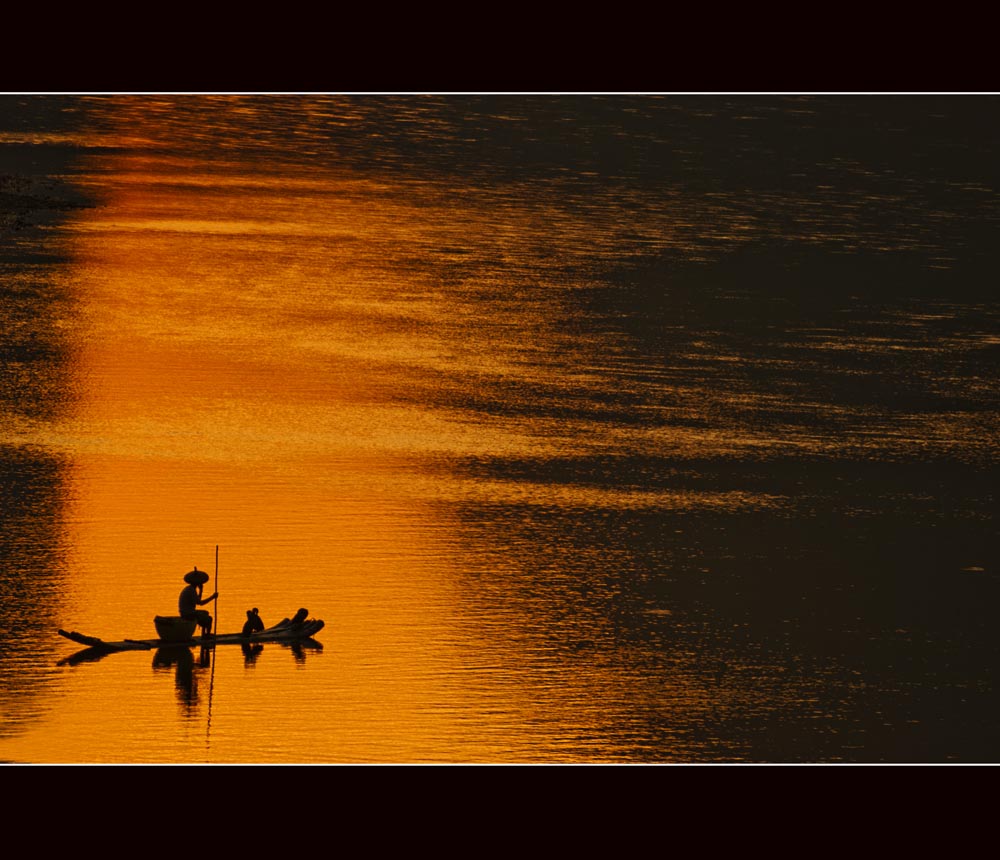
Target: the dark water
(665, 425)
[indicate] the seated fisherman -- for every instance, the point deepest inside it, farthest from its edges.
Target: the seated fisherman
(191, 599)
(254, 623)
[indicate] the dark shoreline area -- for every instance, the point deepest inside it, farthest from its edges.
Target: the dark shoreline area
(37, 194)
(28, 201)
(38, 158)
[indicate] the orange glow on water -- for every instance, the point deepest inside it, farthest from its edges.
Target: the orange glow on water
(195, 426)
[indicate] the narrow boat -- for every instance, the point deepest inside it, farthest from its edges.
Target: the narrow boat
(286, 630)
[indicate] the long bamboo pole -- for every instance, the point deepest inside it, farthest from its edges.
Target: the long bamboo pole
(211, 680)
(215, 626)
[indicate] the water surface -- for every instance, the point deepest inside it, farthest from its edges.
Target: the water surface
(598, 429)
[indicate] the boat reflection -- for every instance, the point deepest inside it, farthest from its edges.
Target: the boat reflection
(181, 659)
(301, 646)
(250, 654)
(167, 655)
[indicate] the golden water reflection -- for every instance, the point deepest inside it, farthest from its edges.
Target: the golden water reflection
(199, 424)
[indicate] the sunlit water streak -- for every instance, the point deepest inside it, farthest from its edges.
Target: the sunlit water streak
(522, 399)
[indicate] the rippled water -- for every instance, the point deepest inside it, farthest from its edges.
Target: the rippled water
(623, 429)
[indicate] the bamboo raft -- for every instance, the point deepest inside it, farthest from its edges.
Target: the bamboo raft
(285, 630)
